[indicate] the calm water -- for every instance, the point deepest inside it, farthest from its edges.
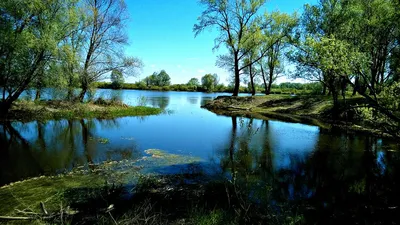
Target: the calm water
(299, 161)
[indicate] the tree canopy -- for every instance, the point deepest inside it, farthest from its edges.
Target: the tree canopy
(160, 79)
(209, 82)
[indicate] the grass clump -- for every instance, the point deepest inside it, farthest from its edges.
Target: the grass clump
(55, 110)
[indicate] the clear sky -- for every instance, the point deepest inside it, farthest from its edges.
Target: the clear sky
(160, 34)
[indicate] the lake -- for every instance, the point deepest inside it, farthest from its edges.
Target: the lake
(299, 161)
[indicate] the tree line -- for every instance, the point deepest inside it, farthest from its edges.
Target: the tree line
(162, 81)
(60, 43)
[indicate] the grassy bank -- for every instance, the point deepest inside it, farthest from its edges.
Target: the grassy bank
(310, 109)
(54, 110)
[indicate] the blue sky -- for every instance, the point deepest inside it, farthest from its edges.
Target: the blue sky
(160, 34)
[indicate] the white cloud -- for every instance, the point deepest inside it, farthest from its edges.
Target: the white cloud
(201, 71)
(183, 71)
(153, 66)
(179, 66)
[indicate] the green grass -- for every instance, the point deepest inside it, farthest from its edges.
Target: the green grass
(55, 110)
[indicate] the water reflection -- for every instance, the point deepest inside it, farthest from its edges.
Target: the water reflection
(39, 148)
(160, 102)
(193, 99)
(205, 99)
(347, 178)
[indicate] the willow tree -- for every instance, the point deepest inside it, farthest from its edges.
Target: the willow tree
(105, 38)
(234, 20)
(31, 33)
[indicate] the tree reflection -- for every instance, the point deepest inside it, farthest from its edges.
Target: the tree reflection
(193, 99)
(344, 177)
(47, 148)
(159, 102)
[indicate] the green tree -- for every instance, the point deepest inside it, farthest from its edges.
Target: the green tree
(163, 79)
(333, 58)
(160, 79)
(326, 18)
(117, 79)
(194, 82)
(237, 23)
(105, 37)
(209, 82)
(31, 34)
(279, 33)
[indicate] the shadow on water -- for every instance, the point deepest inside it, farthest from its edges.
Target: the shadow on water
(349, 179)
(47, 148)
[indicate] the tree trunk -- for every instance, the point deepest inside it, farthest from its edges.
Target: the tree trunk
(82, 94)
(335, 96)
(85, 88)
(269, 87)
(85, 142)
(70, 94)
(237, 77)
(324, 89)
(373, 81)
(4, 108)
(38, 94)
(356, 86)
(253, 89)
(5, 105)
(4, 93)
(264, 81)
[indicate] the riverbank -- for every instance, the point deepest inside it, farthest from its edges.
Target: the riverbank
(55, 110)
(158, 188)
(310, 109)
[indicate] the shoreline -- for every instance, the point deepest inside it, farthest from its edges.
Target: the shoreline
(26, 111)
(290, 109)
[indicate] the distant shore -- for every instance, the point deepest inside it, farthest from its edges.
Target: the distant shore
(187, 88)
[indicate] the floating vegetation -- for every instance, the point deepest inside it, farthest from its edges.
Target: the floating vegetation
(100, 140)
(83, 182)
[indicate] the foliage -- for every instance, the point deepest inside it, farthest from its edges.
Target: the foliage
(209, 81)
(237, 23)
(160, 79)
(31, 37)
(103, 53)
(389, 100)
(351, 43)
(117, 79)
(193, 82)
(279, 33)
(60, 44)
